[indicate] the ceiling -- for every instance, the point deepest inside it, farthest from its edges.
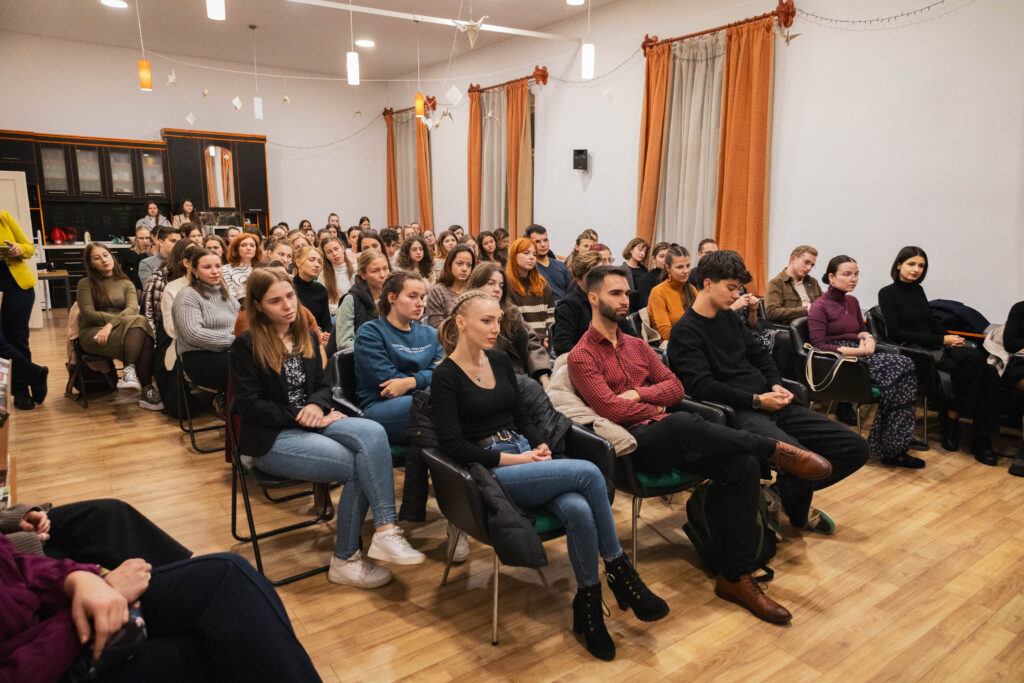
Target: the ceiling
(290, 35)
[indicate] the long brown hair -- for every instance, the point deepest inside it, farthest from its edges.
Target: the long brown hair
(627, 253)
(100, 299)
(536, 280)
(328, 276)
(193, 276)
(689, 292)
(405, 262)
(268, 351)
(480, 276)
(232, 255)
(447, 277)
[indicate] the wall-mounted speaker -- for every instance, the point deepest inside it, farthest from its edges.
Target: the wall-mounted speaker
(579, 160)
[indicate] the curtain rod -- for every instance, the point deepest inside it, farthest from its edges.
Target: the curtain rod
(784, 14)
(429, 102)
(539, 76)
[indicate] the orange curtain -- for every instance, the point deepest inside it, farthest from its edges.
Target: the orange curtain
(742, 214)
(474, 161)
(389, 119)
(652, 134)
(517, 107)
(423, 176)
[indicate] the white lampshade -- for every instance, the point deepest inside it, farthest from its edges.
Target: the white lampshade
(257, 108)
(353, 68)
(587, 61)
(215, 10)
(574, 2)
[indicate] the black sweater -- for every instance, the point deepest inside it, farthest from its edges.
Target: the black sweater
(718, 360)
(572, 318)
(1013, 333)
(908, 318)
(313, 296)
(466, 413)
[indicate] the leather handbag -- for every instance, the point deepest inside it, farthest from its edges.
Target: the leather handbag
(830, 376)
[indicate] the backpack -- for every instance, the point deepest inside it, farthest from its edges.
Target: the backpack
(703, 512)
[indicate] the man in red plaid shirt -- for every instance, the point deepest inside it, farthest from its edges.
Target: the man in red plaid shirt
(621, 379)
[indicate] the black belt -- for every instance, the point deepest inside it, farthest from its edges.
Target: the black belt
(500, 435)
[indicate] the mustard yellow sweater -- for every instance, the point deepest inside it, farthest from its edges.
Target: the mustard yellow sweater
(10, 231)
(665, 306)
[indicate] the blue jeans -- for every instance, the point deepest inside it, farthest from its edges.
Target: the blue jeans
(572, 490)
(393, 415)
(351, 450)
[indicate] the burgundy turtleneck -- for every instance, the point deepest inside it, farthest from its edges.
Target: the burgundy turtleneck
(835, 316)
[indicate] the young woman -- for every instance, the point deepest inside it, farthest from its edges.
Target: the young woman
(304, 225)
(606, 254)
(584, 241)
(364, 223)
(280, 250)
(428, 235)
(129, 259)
(1013, 369)
(395, 355)
(409, 231)
(193, 232)
(652, 277)
(216, 245)
(188, 215)
(458, 231)
(291, 429)
(834, 323)
(17, 283)
(909, 319)
(110, 325)
(163, 286)
(368, 239)
(204, 322)
(153, 217)
(453, 281)
(312, 294)
(673, 297)
(527, 355)
(278, 232)
(528, 290)
(488, 246)
(446, 241)
(243, 251)
(636, 253)
(471, 242)
(482, 418)
(299, 241)
(501, 236)
(339, 269)
(359, 305)
(412, 257)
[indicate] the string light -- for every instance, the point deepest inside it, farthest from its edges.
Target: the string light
(880, 23)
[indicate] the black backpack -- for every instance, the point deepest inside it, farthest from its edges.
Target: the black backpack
(703, 513)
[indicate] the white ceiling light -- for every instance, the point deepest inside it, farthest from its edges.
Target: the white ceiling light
(117, 4)
(365, 42)
(587, 61)
(574, 3)
(352, 66)
(215, 10)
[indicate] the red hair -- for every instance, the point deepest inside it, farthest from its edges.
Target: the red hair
(536, 280)
(233, 257)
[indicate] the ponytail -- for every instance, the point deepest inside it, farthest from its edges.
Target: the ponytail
(448, 331)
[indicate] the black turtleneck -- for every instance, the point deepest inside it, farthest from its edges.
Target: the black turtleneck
(908, 317)
(313, 296)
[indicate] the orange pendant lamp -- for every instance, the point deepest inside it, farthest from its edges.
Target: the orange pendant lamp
(145, 76)
(419, 105)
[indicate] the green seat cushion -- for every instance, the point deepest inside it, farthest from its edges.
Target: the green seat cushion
(666, 479)
(398, 454)
(875, 393)
(545, 522)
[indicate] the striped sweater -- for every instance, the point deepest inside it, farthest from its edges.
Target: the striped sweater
(538, 311)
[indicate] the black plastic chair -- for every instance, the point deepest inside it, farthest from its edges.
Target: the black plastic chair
(341, 374)
(77, 378)
(185, 422)
(460, 502)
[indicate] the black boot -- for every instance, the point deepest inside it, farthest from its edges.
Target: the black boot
(630, 591)
(981, 447)
(588, 619)
(1017, 466)
(951, 434)
(38, 386)
(846, 414)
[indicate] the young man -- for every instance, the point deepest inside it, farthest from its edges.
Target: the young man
(791, 292)
(704, 247)
(390, 241)
(166, 238)
(622, 380)
(552, 270)
(720, 361)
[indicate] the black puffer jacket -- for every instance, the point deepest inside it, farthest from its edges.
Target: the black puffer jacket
(511, 530)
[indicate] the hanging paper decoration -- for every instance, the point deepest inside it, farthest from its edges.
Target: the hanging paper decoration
(236, 103)
(191, 119)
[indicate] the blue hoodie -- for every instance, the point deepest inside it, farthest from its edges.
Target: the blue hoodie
(385, 352)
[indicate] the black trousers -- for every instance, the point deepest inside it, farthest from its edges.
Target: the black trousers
(23, 370)
(213, 618)
(806, 429)
(15, 310)
(731, 458)
(207, 369)
(108, 532)
(975, 383)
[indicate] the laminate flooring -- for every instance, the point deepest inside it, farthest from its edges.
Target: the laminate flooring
(924, 579)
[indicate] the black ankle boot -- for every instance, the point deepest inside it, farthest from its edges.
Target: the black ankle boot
(1017, 466)
(951, 435)
(588, 619)
(981, 447)
(630, 591)
(846, 414)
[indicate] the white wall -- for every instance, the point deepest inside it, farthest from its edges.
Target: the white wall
(880, 138)
(69, 88)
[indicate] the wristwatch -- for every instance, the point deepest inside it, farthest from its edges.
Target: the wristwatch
(757, 402)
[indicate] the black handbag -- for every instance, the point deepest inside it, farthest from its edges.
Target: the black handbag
(830, 376)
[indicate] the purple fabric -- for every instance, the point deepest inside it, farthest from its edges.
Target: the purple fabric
(38, 641)
(834, 316)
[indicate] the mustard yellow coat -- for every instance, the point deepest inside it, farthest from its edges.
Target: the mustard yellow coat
(10, 231)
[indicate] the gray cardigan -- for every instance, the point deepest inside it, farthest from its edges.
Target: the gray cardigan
(204, 323)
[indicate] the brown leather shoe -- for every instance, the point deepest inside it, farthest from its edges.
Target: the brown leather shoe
(799, 463)
(747, 593)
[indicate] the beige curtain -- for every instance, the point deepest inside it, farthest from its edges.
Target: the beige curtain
(493, 162)
(406, 176)
(687, 199)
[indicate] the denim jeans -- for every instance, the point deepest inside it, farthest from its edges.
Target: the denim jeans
(572, 490)
(351, 450)
(393, 415)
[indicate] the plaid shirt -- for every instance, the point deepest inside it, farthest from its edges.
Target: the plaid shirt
(151, 295)
(600, 372)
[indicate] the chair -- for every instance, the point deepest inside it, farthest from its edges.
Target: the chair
(243, 467)
(76, 372)
(459, 499)
(185, 410)
(341, 373)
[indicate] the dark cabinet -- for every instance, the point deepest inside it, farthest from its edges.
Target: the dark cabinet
(154, 185)
(102, 172)
(251, 162)
(55, 164)
(88, 167)
(184, 163)
(123, 175)
(17, 150)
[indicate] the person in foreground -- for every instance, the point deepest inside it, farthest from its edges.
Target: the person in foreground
(720, 361)
(481, 418)
(622, 380)
(290, 428)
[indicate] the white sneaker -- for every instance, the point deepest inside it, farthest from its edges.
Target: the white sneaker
(461, 546)
(129, 380)
(391, 546)
(150, 399)
(358, 571)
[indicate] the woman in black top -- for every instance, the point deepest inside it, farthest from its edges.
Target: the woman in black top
(312, 294)
(1013, 376)
(481, 418)
(651, 278)
(909, 319)
(636, 253)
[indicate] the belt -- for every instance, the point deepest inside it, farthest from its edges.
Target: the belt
(500, 435)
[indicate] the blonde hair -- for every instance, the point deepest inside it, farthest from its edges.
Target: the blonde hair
(448, 331)
(267, 348)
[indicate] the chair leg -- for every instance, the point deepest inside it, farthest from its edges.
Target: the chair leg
(81, 379)
(450, 555)
(637, 500)
(925, 438)
(494, 603)
(859, 429)
(185, 409)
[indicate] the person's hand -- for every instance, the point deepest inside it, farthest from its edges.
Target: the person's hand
(131, 578)
(868, 344)
(397, 387)
(98, 610)
(630, 395)
(740, 303)
(852, 350)
(330, 418)
(545, 380)
(752, 301)
(310, 415)
(953, 340)
(13, 251)
(508, 459)
(779, 389)
(37, 522)
(543, 452)
(325, 337)
(544, 341)
(775, 400)
(103, 335)
(537, 456)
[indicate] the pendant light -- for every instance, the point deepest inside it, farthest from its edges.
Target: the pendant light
(215, 10)
(352, 57)
(419, 88)
(145, 71)
(257, 101)
(587, 54)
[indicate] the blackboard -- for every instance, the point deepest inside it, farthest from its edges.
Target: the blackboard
(103, 221)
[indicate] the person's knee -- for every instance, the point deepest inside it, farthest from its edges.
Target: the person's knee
(574, 509)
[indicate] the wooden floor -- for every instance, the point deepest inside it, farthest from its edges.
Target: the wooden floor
(924, 579)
